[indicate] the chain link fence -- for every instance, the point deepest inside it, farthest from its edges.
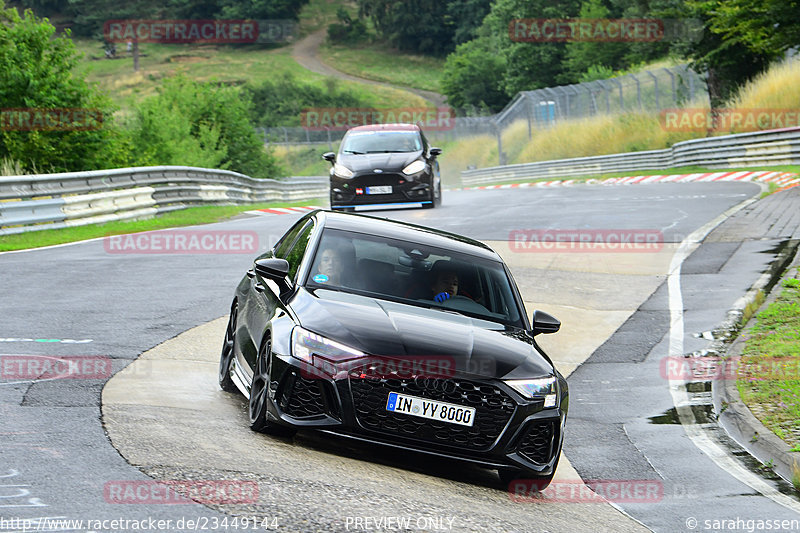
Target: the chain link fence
(646, 91)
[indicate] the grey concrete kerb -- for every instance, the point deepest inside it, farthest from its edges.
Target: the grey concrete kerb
(736, 418)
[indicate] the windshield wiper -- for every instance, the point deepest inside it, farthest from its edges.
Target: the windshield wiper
(353, 152)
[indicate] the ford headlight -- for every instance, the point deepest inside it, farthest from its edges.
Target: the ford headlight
(546, 388)
(342, 171)
(413, 168)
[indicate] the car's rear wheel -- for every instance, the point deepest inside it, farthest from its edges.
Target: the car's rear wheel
(259, 395)
(226, 357)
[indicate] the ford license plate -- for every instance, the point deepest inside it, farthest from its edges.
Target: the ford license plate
(380, 189)
(430, 409)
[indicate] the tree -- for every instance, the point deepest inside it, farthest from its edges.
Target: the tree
(36, 75)
(200, 124)
(727, 62)
(473, 77)
(766, 27)
(528, 65)
(583, 56)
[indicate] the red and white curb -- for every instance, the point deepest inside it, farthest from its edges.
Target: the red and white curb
(784, 180)
(284, 210)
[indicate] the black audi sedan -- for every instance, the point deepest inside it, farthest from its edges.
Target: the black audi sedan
(384, 164)
(398, 335)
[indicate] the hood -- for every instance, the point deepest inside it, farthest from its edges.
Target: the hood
(394, 330)
(391, 162)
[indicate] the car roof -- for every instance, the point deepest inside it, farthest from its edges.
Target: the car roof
(405, 232)
(385, 127)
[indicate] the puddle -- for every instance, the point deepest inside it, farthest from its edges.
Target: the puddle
(703, 414)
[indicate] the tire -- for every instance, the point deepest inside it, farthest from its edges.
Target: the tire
(509, 476)
(437, 198)
(226, 356)
(259, 391)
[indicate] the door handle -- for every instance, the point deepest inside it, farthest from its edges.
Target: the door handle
(259, 287)
(251, 274)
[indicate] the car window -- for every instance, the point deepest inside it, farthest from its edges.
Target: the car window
(366, 142)
(282, 247)
(295, 255)
(410, 273)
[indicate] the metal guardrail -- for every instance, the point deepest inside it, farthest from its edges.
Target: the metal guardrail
(36, 202)
(777, 147)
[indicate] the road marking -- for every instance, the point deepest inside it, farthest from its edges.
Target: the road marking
(680, 397)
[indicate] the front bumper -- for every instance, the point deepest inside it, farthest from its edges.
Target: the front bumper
(508, 432)
(353, 192)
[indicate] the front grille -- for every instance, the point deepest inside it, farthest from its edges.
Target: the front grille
(304, 398)
(493, 411)
(537, 445)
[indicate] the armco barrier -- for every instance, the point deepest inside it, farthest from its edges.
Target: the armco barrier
(29, 203)
(777, 147)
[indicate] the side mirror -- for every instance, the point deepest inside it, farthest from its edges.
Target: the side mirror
(544, 323)
(329, 156)
(272, 268)
(436, 151)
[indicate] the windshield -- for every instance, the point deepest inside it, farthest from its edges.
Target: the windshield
(370, 142)
(414, 274)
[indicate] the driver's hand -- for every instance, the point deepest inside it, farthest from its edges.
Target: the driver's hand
(442, 296)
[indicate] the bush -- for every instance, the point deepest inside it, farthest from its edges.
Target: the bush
(347, 30)
(200, 124)
(36, 73)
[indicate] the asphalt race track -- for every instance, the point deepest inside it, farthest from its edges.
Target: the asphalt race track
(67, 444)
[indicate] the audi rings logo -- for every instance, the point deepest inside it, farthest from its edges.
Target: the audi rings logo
(440, 385)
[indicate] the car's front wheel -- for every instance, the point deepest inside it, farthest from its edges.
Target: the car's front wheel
(226, 357)
(259, 395)
(537, 483)
(436, 197)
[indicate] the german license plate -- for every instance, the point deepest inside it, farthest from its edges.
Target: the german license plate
(430, 409)
(380, 189)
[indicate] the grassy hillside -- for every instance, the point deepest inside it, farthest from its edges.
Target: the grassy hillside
(234, 65)
(375, 61)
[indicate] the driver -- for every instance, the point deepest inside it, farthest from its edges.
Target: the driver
(330, 267)
(444, 284)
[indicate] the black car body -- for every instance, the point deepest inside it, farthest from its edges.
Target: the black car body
(384, 164)
(332, 352)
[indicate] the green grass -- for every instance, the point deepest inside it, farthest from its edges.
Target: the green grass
(380, 63)
(225, 63)
(185, 217)
(304, 160)
(769, 382)
(318, 14)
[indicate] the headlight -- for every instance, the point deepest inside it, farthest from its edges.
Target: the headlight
(306, 345)
(342, 171)
(413, 168)
(546, 388)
